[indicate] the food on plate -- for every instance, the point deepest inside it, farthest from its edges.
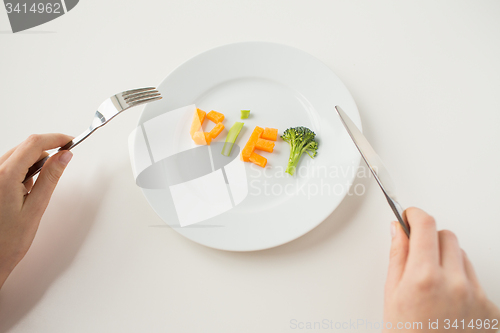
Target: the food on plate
(199, 117)
(245, 114)
(215, 116)
(216, 130)
(260, 139)
(205, 138)
(202, 138)
(256, 142)
(250, 146)
(265, 145)
(258, 159)
(233, 133)
(301, 140)
(270, 134)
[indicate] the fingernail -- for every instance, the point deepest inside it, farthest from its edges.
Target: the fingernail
(65, 157)
(393, 229)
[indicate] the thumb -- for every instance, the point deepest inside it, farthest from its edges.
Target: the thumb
(39, 197)
(398, 256)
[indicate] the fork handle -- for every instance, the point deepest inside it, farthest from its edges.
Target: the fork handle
(35, 168)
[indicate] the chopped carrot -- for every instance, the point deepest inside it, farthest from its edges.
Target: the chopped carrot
(247, 151)
(270, 134)
(205, 138)
(216, 130)
(259, 160)
(257, 141)
(250, 146)
(202, 138)
(199, 117)
(264, 145)
(215, 116)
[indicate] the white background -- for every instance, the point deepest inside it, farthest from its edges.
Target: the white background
(425, 76)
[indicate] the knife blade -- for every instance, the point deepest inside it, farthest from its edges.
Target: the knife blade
(376, 166)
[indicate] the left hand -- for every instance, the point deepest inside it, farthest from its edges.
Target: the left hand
(22, 205)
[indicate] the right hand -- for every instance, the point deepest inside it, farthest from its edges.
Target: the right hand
(431, 278)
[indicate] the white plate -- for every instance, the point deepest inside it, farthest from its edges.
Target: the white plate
(283, 87)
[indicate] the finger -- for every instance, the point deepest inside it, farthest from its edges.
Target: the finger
(29, 185)
(398, 257)
(450, 253)
(424, 245)
(469, 270)
(7, 155)
(39, 197)
(30, 150)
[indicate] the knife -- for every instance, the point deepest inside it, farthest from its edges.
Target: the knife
(376, 166)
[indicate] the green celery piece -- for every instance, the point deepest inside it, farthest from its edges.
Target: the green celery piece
(233, 133)
(245, 114)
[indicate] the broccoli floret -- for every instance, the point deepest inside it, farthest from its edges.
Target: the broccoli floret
(301, 140)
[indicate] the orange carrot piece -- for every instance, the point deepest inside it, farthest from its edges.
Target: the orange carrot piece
(264, 145)
(202, 138)
(215, 116)
(247, 151)
(270, 134)
(216, 130)
(199, 117)
(259, 160)
(250, 146)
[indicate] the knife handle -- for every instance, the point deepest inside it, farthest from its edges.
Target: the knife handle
(400, 214)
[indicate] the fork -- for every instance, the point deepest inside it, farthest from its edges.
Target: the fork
(109, 109)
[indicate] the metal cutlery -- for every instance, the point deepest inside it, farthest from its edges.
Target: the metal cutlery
(376, 166)
(109, 109)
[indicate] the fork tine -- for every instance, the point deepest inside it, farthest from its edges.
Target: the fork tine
(134, 100)
(147, 100)
(134, 91)
(131, 98)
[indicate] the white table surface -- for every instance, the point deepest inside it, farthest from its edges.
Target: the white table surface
(425, 76)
